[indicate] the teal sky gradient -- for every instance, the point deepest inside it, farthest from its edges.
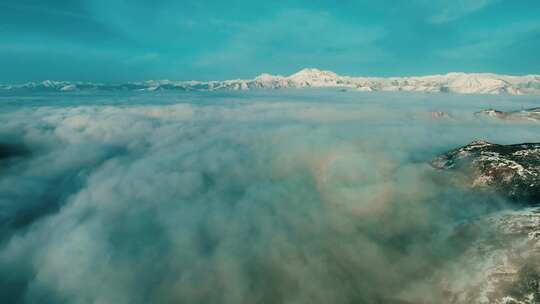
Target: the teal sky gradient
(120, 40)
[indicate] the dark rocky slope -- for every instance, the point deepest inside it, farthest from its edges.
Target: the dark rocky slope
(504, 263)
(510, 170)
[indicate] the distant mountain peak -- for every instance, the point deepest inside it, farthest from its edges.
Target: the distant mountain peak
(313, 73)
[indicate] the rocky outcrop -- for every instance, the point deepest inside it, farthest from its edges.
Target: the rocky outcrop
(532, 114)
(510, 170)
(440, 115)
(504, 260)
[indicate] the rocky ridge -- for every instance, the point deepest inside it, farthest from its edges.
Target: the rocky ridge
(504, 261)
(510, 170)
(532, 114)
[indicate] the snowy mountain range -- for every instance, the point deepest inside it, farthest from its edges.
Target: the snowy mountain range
(462, 83)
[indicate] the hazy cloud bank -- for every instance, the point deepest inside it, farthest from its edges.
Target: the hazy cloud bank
(268, 198)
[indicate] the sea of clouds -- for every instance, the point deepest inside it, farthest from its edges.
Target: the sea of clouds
(313, 196)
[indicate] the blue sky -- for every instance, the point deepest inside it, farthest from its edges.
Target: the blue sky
(121, 40)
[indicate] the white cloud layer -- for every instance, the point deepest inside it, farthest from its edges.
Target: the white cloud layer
(267, 197)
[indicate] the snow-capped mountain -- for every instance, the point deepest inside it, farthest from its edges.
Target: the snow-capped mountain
(461, 83)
